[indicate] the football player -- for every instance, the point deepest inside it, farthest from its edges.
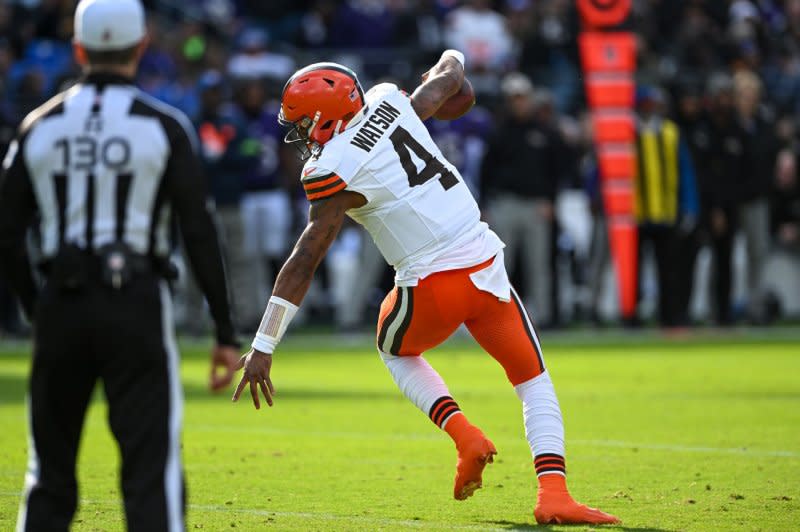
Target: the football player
(371, 158)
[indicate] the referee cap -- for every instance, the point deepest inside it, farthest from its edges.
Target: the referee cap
(107, 25)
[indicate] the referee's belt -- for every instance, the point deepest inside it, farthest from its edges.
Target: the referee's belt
(115, 265)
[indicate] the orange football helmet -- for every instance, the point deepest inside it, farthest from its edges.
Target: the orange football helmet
(318, 102)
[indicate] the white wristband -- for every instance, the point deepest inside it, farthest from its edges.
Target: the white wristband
(455, 54)
(276, 319)
(264, 343)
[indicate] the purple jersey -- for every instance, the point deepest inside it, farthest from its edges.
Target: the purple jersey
(266, 174)
(463, 143)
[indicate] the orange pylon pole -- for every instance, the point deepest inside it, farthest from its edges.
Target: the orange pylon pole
(609, 62)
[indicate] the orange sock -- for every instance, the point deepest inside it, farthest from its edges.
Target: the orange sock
(474, 452)
(552, 485)
(554, 505)
(458, 427)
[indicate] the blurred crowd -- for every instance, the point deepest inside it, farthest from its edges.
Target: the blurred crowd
(718, 109)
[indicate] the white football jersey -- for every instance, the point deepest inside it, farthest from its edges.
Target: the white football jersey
(419, 211)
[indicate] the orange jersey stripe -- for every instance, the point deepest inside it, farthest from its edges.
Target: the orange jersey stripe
(319, 184)
(327, 193)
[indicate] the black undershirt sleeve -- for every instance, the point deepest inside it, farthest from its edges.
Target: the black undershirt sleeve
(186, 189)
(17, 212)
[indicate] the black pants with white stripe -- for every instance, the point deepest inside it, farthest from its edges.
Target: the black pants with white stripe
(123, 338)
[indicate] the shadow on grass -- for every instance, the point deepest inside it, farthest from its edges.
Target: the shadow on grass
(510, 525)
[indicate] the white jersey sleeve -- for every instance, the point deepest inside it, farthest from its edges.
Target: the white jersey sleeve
(320, 180)
(418, 210)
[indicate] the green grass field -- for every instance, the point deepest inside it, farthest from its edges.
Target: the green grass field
(668, 434)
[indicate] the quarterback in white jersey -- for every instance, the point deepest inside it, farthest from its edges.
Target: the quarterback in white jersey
(371, 158)
(418, 211)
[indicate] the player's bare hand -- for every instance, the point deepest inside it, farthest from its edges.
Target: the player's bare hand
(224, 359)
(256, 367)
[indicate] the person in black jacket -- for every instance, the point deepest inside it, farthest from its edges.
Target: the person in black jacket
(725, 164)
(689, 115)
(759, 127)
(518, 180)
(104, 168)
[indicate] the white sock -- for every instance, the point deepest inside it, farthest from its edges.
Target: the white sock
(544, 427)
(423, 386)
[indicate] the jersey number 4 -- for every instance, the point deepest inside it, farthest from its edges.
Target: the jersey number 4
(403, 143)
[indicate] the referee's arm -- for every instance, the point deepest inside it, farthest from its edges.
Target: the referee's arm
(17, 211)
(186, 190)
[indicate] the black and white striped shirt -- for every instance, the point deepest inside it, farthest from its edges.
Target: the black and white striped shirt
(103, 162)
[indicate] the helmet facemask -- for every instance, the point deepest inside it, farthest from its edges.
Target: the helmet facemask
(299, 134)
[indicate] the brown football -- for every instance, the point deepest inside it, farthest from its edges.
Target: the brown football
(458, 104)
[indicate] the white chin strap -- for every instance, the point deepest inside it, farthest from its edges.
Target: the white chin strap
(314, 123)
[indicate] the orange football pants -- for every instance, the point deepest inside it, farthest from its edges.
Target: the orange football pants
(415, 319)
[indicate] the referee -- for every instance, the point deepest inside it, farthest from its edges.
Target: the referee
(102, 169)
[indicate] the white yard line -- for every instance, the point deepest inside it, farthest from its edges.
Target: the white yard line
(687, 448)
(435, 436)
